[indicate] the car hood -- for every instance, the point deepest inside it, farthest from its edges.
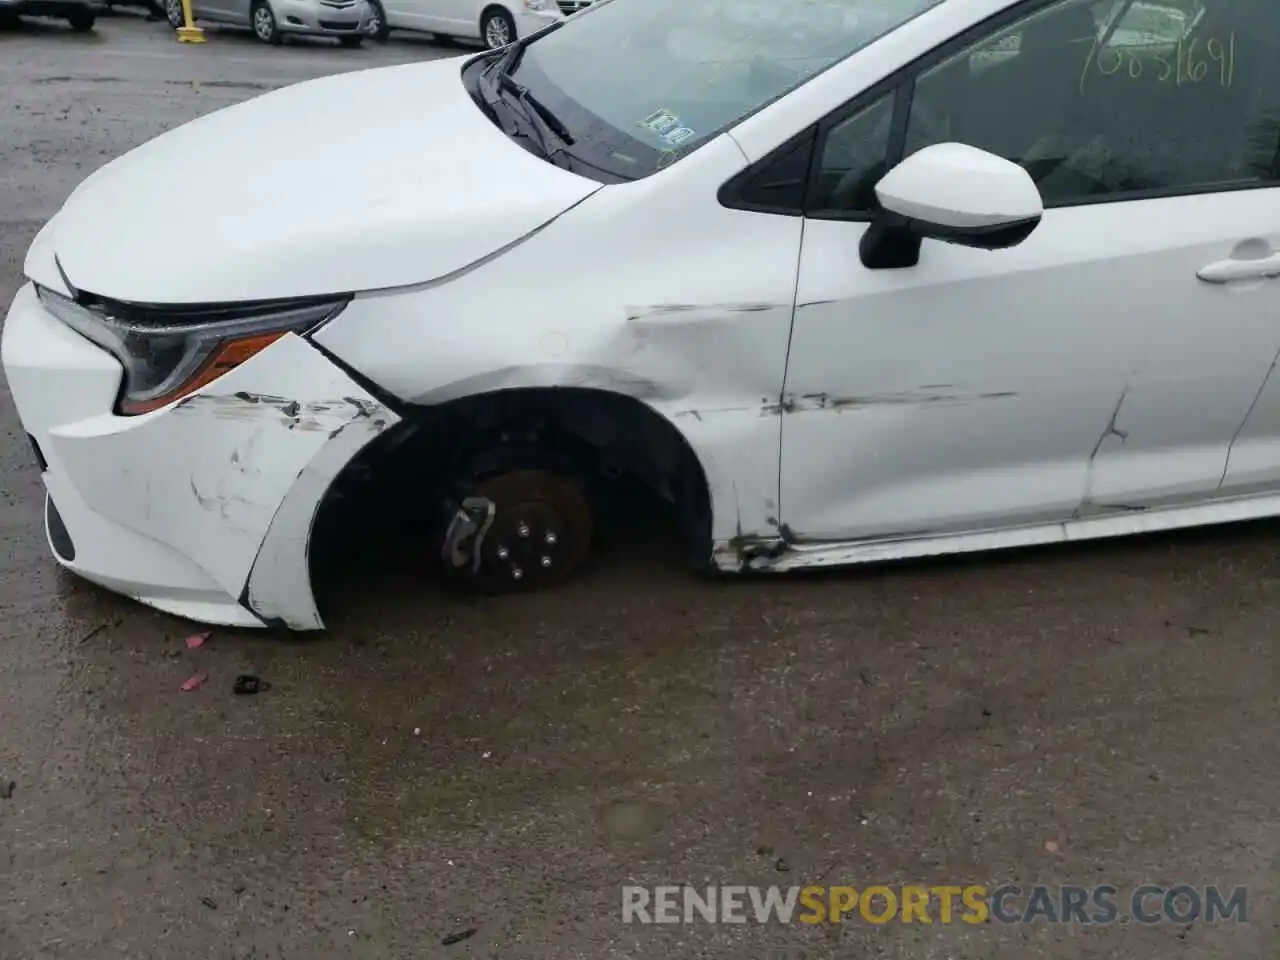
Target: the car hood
(359, 181)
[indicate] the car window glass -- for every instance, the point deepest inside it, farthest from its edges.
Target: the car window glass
(634, 81)
(1101, 99)
(853, 159)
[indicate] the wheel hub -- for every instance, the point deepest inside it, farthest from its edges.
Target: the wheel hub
(524, 545)
(518, 531)
(496, 34)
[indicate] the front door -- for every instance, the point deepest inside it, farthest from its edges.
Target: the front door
(1104, 365)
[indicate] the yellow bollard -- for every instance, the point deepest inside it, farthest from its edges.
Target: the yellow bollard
(189, 32)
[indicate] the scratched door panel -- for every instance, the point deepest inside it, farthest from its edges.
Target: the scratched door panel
(1254, 462)
(1086, 370)
(206, 475)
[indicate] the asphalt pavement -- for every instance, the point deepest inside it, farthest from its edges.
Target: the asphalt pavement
(441, 777)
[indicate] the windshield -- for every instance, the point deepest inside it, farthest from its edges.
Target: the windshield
(641, 82)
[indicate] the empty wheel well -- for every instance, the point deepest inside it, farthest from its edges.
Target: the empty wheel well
(436, 451)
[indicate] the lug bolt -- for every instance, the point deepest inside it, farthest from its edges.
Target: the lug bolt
(503, 553)
(516, 573)
(523, 530)
(550, 538)
(546, 561)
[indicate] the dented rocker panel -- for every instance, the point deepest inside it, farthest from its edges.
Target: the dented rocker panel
(765, 554)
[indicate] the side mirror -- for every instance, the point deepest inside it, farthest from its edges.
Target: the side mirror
(954, 193)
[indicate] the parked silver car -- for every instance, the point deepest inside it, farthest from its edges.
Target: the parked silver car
(270, 20)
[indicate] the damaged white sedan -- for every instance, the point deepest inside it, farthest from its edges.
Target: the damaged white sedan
(863, 281)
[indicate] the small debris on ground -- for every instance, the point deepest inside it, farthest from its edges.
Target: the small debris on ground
(7, 787)
(781, 865)
(453, 938)
(196, 640)
(247, 685)
(194, 683)
(104, 625)
(1051, 846)
(209, 902)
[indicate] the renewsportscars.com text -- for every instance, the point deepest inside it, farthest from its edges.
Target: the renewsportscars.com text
(971, 904)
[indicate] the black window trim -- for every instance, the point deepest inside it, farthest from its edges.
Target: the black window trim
(733, 192)
(902, 90)
(902, 82)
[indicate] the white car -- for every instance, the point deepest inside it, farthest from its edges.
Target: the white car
(905, 300)
(493, 22)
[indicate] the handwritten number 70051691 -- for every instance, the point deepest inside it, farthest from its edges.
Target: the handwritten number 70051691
(1191, 63)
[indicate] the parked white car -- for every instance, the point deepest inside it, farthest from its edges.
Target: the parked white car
(493, 22)
(894, 300)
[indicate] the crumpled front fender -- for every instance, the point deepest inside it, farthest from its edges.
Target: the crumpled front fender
(233, 475)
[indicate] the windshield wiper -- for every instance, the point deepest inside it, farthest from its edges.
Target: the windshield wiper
(534, 106)
(506, 59)
(540, 119)
(540, 125)
(530, 124)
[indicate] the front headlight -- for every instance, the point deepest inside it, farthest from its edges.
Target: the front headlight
(539, 5)
(169, 353)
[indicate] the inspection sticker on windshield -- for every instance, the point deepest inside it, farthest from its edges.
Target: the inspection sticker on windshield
(678, 135)
(660, 121)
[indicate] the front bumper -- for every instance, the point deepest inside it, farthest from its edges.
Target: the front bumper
(322, 17)
(203, 508)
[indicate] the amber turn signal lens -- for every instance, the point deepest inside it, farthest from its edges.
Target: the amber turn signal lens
(228, 356)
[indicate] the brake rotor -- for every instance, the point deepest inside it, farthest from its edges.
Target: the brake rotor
(540, 533)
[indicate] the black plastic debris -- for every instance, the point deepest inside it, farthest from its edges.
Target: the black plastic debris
(7, 787)
(453, 938)
(246, 685)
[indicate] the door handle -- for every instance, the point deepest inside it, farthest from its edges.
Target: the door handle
(1225, 271)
